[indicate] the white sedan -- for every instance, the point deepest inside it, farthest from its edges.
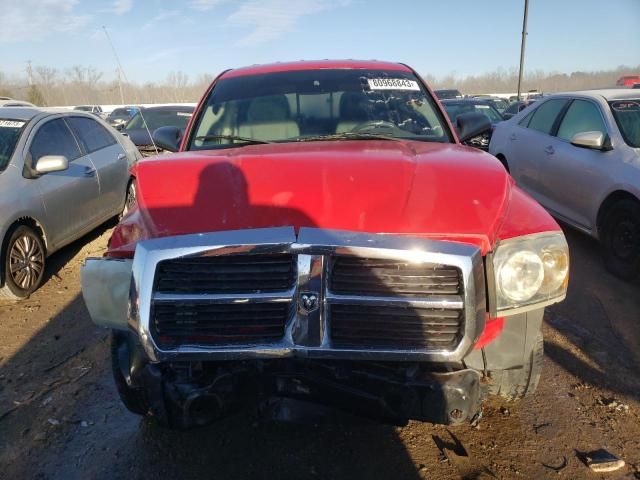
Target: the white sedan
(578, 154)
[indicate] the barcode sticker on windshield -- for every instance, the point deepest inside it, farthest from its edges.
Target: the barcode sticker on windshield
(392, 84)
(626, 105)
(11, 124)
(184, 114)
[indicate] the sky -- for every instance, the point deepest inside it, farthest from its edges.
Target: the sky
(438, 37)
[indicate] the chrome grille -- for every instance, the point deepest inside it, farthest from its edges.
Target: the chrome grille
(318, 293)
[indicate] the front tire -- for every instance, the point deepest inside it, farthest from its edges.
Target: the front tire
(621, 239)
(519, 383)
(23, 263)
(135, 400)
(131, 200)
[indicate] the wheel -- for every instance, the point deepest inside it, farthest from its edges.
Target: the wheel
(130, 201)
(620, 237)
(503, 161)
(23, 263)
(519, 383)
(134, 399)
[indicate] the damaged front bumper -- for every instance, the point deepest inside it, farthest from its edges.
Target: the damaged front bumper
(190, 394)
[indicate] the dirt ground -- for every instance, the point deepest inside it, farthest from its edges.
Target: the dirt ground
(60, 417)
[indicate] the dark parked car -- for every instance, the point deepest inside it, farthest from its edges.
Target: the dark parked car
(459, 106)
(447, 93)
(95, 109)
(146, 120)
(500, 104)
(119, 117)
(516, 107)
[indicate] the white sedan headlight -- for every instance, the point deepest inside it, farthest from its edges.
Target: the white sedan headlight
(530, 272)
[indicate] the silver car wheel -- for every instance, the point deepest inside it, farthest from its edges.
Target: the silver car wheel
(26, 261)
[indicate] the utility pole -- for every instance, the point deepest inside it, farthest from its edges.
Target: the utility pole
(29, 73)
(120, 71)
(522, 44)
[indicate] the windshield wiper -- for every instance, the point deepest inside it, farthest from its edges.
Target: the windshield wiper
(236, 138)
(349, 136)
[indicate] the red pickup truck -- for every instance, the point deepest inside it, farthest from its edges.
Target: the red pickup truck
(322, 235)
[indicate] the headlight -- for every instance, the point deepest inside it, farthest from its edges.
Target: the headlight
(530, 272)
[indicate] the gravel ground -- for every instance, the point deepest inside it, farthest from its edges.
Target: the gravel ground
(60, 417)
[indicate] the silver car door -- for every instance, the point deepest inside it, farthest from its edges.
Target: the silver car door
(110, 160)
(528, 143)
(69, 196)
(573, 179)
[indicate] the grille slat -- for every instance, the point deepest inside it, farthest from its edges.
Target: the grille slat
(234, 273)
(366, 276)
(208, 323)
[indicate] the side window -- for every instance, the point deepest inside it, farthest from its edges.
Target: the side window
(582, 116)
(54, 138)
(545, 115)
(527, 118)
(91, 134)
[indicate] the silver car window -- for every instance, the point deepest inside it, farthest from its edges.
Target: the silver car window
(582, 116)
(545, 115)
(91, 134)
(54, 138)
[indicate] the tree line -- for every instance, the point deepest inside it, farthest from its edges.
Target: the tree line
(48, 86)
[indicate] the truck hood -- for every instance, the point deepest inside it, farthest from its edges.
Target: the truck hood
(399, 187)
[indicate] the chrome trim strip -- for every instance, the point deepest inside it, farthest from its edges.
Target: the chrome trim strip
(270, 297)
(452, 302)
(311, 245)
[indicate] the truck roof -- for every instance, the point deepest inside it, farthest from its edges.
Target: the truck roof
(315, 65)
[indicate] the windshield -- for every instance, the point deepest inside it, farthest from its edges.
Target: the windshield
(455, 109)
(627, 115)
(326, 104)
(159, 118)
(120, 112)
(9, 134)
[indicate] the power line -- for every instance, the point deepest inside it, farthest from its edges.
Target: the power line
(120, 71)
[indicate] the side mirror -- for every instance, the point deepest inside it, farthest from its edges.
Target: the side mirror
(470, 125)
(52, 163)
(592, 140)
(119, 127)
(167, 138)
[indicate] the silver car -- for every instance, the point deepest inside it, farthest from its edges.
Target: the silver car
(578, 154)
(61, 175)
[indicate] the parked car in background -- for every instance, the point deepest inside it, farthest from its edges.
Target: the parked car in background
(516, 107)
(10, 102)
(322, 236)
(447, 93)
(119, 117)
(146, 120)
(95, 109)
(578, 154)
(461, 106)
(500, 104)
(61, 175)
(628, 80)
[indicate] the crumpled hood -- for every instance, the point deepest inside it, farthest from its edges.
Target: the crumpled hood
(414, 188)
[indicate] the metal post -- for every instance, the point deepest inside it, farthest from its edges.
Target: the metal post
(522, 44)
